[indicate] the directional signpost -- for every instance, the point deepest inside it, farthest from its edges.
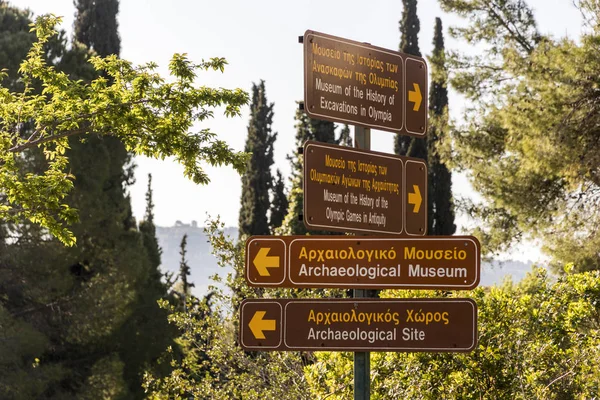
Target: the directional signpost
(365, 192)
(347, 189)
(440, 325)
(366, 262)
(356, 83)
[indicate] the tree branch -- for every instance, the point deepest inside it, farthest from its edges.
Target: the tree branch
(21, 147)
(515, 35)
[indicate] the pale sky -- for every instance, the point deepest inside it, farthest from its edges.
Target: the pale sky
(259, 39)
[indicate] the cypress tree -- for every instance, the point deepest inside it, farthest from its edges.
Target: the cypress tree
(184, 272)
(280, 204)
(120, 259)
(409, 29)
(147, 333)
(441, 212)
(409, 44)
(345, 138)
(257, 180)
(96, 25)
(306, 129)
(71, 304)
(148, 229)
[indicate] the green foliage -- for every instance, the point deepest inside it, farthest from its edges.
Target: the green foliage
(409, 28)
(146, 333)
(530, 139)
(213, 365)
(440, 213)
(306, 129)
(280, 203)
(184, 272)
(409, 44)
(132, 103)
(90, 309)
(537, 340)
(257, 181)
(14, 42)
(440, 207)
(148, 229)
(96, 25)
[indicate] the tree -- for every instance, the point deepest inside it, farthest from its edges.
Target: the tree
(146, 333)
(56, 296)
(213, 365)
(441, 207)
(148, 229)
(409, 44)
(306, 129)
(184, 272)
(96, 25)
(257, 180)
(280, 203)
(15, 40)
(81, 321)
(135, 105)
(345, 138)
(530, 139)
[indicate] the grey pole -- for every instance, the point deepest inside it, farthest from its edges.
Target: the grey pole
(362, 360)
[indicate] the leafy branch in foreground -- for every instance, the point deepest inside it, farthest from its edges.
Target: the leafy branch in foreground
(150, 115)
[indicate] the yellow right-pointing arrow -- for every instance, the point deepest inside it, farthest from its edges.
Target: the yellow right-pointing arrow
(415, 199)
(415, 97)
(262, 261)
(257, 324)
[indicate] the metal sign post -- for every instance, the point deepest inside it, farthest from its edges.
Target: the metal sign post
(362, 359)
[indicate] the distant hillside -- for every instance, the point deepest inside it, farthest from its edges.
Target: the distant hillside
(495, 272)
(203, 264)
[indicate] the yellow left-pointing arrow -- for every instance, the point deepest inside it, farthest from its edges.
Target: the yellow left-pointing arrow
(262, 261)
(415, 199)
(257, 324)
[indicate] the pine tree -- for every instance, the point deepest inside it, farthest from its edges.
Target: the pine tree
(280, 204)
(441, 212)
(257, 180)
(530, 138)
(409, 44)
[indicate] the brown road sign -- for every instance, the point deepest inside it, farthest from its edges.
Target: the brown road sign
(366, 262)
(347, 189)
(356, 83)
(411, 325)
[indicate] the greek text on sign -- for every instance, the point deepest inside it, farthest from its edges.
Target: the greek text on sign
(356, 83)
(445, 325)
(347, 189)
(376, 262)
